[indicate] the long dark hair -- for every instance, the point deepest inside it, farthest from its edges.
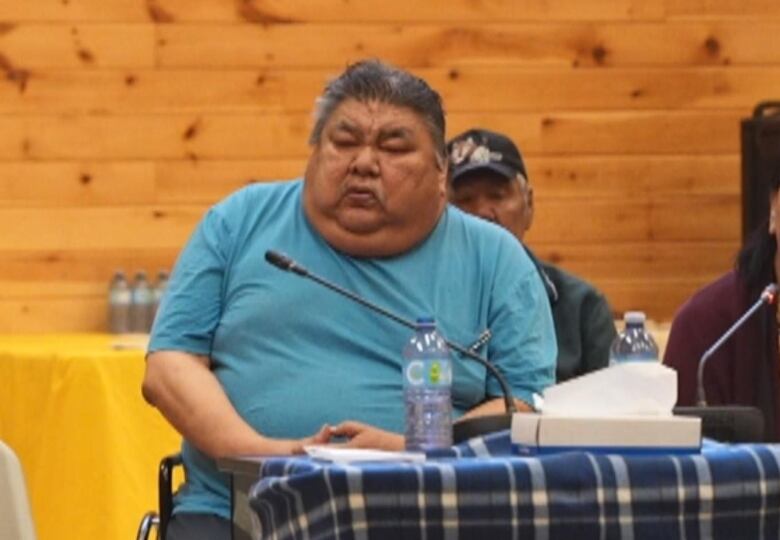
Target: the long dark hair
(756, 260)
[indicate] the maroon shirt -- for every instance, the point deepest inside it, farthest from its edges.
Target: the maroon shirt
(744, 371)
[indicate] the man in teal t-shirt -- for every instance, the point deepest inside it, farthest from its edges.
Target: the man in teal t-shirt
(245, 359)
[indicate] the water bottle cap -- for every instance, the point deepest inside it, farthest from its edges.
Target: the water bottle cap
(634, 317)
(426, 322)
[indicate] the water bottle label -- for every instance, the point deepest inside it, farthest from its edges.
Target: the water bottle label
(428, 373)
(644, 356)
(120, 297)
(142, 297)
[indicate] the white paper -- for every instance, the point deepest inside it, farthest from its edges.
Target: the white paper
(630, 388)
(130, 342)
(338, 454)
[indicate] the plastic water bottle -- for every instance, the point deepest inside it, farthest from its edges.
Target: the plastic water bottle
(634, 343)
(427, 389)
(158, 291)
(141, 307)
(119, 300)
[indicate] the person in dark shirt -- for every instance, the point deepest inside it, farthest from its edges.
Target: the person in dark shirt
(745, 370)
(488, 179)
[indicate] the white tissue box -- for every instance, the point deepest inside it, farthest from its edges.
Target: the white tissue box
(534, 434)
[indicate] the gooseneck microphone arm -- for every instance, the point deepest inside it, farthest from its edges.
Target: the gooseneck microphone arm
(768, 296)
(289, 265)
(286, 263)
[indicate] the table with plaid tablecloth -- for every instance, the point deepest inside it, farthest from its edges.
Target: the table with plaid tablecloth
(480, 490)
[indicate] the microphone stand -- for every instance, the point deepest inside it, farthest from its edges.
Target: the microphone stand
(767, 297)
(732, 423)
(462, 429)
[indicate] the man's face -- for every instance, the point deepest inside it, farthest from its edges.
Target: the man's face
(491, 196)
(374, 186)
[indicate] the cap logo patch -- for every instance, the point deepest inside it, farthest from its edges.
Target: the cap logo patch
(467, 150)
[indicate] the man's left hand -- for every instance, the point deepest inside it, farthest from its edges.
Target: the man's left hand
(364, 436)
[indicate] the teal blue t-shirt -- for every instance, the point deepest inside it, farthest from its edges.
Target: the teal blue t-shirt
(293, 355)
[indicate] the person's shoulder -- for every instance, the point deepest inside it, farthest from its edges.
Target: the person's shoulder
(480, 229)
(728, 283)
(261, 191)
(713, 296)
(489, 247)
(704, 316)
(567, 282)
(257, 197)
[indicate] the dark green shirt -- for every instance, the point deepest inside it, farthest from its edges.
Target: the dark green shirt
(584, 324)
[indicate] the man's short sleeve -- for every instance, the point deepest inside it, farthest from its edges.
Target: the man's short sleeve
(192, 305)
(523, 346)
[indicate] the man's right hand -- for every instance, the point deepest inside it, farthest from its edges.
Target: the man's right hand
(295, 446)
(184, 389)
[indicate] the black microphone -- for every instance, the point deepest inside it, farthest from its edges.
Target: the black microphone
(462, 429)
(732, 423)
(285, 263)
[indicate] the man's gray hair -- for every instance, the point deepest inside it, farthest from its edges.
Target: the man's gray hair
(373, 80)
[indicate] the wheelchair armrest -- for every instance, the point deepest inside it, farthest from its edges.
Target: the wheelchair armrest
(165, 490)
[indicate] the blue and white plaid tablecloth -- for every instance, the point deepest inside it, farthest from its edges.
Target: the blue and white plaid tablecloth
(478, 490)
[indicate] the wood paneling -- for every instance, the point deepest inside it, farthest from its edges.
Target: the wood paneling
(659, 298)
(234, 136)
(74, 11)
(76, 314)
(639, 260)
(203, 182)
(148, 136)
(738, 9)
(75, 272)
(586, 177)
(76, 46)
(537, 44)
(702, 218)
(74, 184)
(613, 133)
(271, 12)
(283, 12)
(122, 121)
(132, 228)
(255, 92)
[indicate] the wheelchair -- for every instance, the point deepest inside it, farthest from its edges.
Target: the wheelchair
(160, 519)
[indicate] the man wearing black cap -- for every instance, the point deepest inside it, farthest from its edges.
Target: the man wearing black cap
(488, 179)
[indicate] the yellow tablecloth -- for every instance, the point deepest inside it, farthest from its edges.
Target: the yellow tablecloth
(71, 408)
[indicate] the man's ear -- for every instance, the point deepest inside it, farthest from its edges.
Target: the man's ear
(444, 171)
(529, 203)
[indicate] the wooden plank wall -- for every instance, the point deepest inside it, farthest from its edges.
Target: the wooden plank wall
(122, 120)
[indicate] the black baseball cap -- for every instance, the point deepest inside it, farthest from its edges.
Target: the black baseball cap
(481, 149)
